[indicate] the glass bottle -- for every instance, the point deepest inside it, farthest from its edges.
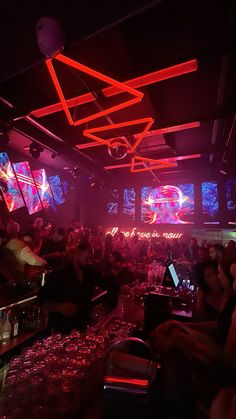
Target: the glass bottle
(15, 326)
(1, 322)
(6, 329)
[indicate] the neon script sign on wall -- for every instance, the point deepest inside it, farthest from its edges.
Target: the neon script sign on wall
(144, 234)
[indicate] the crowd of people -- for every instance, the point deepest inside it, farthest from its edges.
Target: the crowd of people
(200, 357)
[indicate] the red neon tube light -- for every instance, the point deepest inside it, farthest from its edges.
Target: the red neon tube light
(90, 133)
(122, 380)
(138, 161)
(121, 86)
(164, 130)
(154, 164)
(156, 76)
(75, 101)
(174, 128)
(151, 78)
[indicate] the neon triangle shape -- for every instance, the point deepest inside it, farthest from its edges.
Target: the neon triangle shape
(157, 164)
(93, 73)
(92, 132)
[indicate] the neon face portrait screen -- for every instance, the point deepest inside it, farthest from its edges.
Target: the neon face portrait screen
(168, 204)
(27, 186)
(56, 187)
(129, 203)
(44, 190)
(9, 185)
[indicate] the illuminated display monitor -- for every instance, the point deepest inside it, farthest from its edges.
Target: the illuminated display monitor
(27, 186)
(210, 202)
(112, 205)
(56, 187)
(8, 184)
(129, 203)
(44, 189)
(168, 204)
(231, 195)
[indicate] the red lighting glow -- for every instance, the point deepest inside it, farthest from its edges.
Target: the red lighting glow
(138, 161)
(159, 131)
(148, 121)
(150, 164)
(156, 76)
(121, 86)
(75, 101)
(174, 128)
(130, 232)
(151, 78)
(122, 380)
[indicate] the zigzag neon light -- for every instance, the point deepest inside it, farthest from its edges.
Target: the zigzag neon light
(147, 121)
(87, 70)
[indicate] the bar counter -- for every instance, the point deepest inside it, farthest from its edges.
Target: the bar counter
(62, 373)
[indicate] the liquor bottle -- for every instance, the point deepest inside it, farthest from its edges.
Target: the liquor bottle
(38, 317)
(6, 330)
(1, 321)
(23, 320)
(15, 326)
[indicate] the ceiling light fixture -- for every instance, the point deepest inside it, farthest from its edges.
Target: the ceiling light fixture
(118, 148)
(35, 150)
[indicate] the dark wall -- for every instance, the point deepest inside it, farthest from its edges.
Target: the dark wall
(92, 203)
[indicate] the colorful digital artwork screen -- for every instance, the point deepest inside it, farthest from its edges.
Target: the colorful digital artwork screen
(27, 186)
(168, 204)
(112, 204)
(8, 184)
(231, 194)
(56, 187)
(44, 189)
(129, 203)
(210, 202)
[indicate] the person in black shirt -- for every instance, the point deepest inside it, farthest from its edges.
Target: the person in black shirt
(67, 293)
(121, 274)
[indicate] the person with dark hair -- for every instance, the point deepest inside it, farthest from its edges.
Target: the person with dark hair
(203, 254)
(134, 248)
(209, 293)
(202, 356)
(67, 294)
(120, 245)
(231, 250)
(107, 247)
(191, 252)
(217, 252)
(120, 273)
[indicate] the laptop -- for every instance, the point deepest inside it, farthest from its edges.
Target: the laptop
(173, 275)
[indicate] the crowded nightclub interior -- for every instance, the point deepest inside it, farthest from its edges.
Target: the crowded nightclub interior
(118, 209)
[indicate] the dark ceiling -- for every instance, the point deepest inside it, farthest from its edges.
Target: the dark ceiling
(125, 40)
